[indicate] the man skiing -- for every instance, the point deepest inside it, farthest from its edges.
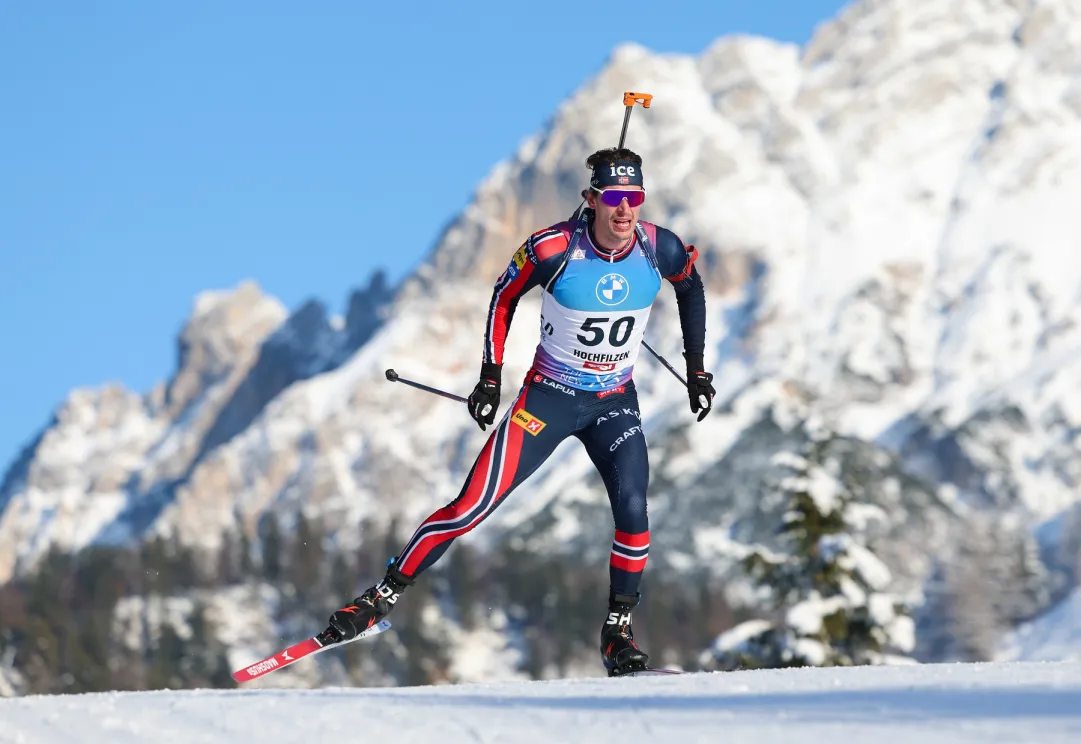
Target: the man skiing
(600, 274)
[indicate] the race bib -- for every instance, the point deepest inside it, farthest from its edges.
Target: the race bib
(594, 320)
(592, 341)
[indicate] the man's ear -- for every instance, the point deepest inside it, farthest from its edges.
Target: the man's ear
(591, 199)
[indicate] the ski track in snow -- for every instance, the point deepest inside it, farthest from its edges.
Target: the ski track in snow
(986, 703)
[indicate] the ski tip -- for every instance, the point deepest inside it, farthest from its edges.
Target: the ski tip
(378, 627)
(299, 651)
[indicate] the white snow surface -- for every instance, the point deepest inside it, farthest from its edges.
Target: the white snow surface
(984, 703)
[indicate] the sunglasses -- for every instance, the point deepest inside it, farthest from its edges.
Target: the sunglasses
(613, 197)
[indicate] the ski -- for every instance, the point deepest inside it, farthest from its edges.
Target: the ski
(298, 651)
(637, 669)
(650, 673)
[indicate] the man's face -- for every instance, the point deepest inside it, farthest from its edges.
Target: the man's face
(613, 225)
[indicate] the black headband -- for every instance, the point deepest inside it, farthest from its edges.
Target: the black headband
(616, 173)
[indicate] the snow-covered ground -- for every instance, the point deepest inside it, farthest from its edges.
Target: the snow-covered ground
(986, 703)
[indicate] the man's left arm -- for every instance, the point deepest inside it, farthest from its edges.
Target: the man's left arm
(676, 263)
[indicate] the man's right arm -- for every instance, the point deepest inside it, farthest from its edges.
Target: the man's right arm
(533, 265)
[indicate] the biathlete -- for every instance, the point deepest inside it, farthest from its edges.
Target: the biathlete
(600, 274)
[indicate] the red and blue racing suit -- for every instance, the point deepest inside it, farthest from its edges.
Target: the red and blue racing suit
(593, 316)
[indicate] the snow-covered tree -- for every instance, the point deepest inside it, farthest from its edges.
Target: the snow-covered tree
(990, 580)
(827, 591)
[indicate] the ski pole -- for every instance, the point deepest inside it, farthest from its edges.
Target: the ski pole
(629, 99)
(393, 377)
(664, 361)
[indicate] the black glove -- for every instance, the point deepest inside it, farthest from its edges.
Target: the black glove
(699, 386)
(485, 396)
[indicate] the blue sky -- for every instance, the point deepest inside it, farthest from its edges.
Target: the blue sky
(149, 151)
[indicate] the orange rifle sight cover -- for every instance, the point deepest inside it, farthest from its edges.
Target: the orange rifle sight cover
(629, 99)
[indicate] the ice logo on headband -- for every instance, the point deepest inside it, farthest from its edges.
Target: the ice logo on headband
(619, 174)
(622, 173)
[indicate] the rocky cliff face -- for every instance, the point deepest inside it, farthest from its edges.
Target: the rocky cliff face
(886, 219)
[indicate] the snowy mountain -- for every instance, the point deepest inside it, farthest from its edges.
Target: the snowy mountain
(885, 219)
(982, 704)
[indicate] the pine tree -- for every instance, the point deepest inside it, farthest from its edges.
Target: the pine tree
(991, 579)
(306, 566)
(166, 660)
(464, 584)
(826, 590)
(205, 663)
(244, 556)
(227, 569)
(271, 547)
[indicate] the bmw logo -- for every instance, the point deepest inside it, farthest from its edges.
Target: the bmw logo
(613, 289)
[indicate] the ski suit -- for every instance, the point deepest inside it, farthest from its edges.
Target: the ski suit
(593, 318)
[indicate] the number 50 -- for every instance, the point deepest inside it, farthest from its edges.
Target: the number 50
(618, 334)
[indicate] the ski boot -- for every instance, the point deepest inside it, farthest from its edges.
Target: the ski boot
(618, 650)
(367, 609)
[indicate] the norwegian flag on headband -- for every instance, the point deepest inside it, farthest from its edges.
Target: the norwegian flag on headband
(624, 181)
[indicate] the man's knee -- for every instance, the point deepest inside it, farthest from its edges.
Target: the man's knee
(630, 511)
